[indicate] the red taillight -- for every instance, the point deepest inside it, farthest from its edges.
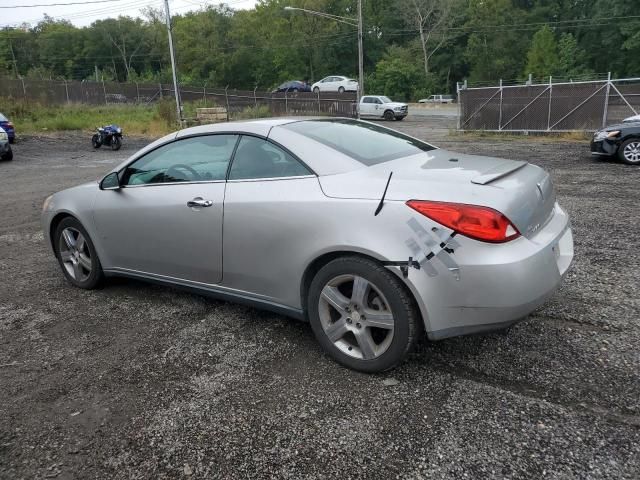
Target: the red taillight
(480, 223)
(10, 125)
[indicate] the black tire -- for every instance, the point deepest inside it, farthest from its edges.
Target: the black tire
(399, 119)
(95, 141)
(341, 90)
(389, 116)
(12, 140)
(629, 143)
(295, 90)
(8, 156)
(96, 275)
(316, 90)
(406, 318)
(116, 143)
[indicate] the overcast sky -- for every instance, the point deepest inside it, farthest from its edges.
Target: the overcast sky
(82, 15)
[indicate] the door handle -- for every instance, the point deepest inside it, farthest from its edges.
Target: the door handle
(199, 203)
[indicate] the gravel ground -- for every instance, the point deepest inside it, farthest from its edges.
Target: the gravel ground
(142, 381)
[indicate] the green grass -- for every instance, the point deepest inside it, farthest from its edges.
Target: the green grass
(32, 117)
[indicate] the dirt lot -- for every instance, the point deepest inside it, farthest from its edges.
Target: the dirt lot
(141, 381)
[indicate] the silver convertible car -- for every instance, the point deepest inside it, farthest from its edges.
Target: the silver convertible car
(372, 236)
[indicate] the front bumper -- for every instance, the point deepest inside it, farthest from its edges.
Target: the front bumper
(604, 147)
(495, 285)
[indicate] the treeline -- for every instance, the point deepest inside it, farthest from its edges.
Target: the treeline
(412, 47)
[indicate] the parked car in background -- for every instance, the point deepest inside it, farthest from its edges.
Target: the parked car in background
(453, 244)
(293, 86)
(8, 127)
(5, 149)
(635, 118)
(438, 99)
(622, 140)
(382, 107)
(335, 83)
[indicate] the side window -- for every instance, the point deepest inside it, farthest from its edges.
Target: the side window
(378, 101)
(258, 158)
(196, 159)
(366, 100)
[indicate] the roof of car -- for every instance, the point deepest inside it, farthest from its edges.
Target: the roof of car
(260, 126)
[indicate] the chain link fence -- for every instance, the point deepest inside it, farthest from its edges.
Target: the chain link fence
(548, 107)
(236, 102)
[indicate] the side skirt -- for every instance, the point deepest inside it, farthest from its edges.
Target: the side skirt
(213, 292)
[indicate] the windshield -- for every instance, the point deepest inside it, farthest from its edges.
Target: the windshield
(367, 143)
(386, 99)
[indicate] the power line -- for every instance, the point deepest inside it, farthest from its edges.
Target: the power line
(57, 4)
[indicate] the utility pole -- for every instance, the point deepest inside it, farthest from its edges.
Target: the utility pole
(13, 55)
(173, 62)
(360, 57)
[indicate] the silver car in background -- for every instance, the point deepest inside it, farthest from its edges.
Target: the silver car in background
(372, 236)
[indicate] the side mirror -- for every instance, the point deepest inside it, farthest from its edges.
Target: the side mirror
(110, 182)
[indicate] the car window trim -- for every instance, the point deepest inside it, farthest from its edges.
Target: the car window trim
(281, 147)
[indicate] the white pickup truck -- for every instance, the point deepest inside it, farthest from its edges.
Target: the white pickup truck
(382, 107)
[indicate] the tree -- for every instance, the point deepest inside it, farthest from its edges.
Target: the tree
(494, 48)
(428, 17)
(572, 59)
(542, 58)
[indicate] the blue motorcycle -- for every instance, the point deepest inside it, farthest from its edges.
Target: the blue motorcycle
(110, 135)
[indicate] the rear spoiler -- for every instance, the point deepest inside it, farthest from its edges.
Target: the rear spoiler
(498, 172)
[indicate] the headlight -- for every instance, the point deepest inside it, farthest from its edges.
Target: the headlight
(602, 134)
(48, 203)
(119, 130)
(4, 137)
(398, 109)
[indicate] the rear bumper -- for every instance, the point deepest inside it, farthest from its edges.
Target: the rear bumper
(495, 285)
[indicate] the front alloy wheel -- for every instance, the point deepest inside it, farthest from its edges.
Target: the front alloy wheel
(630, 152)
(77, 255)
(362, 314)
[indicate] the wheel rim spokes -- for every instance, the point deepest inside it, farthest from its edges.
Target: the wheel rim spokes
(74, 254)
(632, 152)
(356, 317)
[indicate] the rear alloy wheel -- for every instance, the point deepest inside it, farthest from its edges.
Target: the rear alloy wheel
(77, 255)
(362, 315)
(389, 116)
(316, 90)
(341, 90)
(629, 151)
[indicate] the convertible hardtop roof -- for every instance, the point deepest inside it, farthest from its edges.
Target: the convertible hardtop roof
(261, 126)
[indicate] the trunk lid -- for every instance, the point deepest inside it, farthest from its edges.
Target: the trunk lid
(521, 191)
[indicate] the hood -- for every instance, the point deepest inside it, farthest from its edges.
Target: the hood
(395, 104)
(620, 126)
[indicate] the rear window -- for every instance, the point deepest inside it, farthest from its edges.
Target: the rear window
(367, 143)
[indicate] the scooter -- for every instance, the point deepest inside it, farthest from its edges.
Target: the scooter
(110, 135)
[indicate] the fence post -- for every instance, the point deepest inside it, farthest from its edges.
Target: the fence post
(104, 90)
(137, 93)
(606, 101)
(204, 94)
(500, 111)
(255, 101)
(458, 90)
(319, 105)
(550, 94)
(24, 89)
(286, 103)
(160, 91)
(226, 98)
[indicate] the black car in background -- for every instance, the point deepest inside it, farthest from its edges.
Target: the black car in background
(622, 140)
(293, 86)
